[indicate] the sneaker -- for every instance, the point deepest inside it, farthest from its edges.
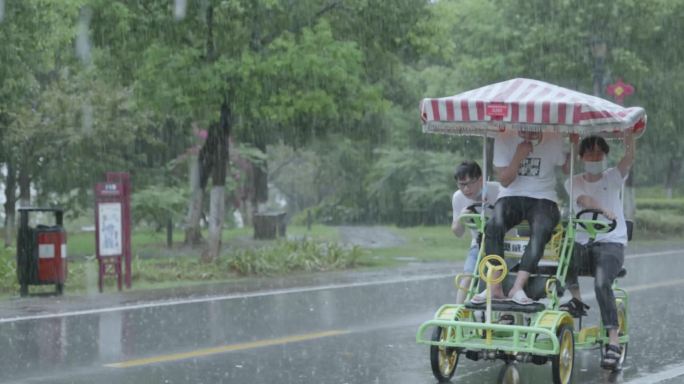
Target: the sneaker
(575, 307)
(479, 316)
(507, 319)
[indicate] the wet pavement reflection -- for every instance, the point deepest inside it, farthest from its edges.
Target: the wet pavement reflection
(364, 333)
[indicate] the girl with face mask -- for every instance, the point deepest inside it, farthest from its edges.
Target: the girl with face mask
(593, 151)
(599, 188)
(595, 167)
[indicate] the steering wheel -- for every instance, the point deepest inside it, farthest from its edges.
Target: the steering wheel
(492, 263)
(596, 227)
(475, 208)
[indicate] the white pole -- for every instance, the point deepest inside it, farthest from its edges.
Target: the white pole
(484, 175)
(572, 174)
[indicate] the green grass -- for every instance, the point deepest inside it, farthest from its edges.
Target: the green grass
(658, 192)
(318, 231)
(149, 243)
(155, 266)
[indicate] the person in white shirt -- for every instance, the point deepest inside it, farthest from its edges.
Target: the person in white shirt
(471, 190)
(526, 167)
(599, 188)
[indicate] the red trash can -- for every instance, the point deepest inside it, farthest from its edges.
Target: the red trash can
(41, 252)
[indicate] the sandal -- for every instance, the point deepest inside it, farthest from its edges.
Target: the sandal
(480, 298)
(575, 307)
(521, 298)
(611, 357)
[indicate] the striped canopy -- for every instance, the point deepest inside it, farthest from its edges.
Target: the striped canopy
(524, 104)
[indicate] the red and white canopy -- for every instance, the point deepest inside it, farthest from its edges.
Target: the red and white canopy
(525, 104)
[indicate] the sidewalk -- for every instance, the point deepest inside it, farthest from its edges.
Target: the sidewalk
(51, 305)
(48, 305)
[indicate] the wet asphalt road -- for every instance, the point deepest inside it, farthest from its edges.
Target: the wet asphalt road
(355, 330)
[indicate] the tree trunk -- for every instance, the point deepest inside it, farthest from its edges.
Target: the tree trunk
(24, 188)
(673, 168)
(260, 181)
(216, 215)
(628, 198)
(218, 133)
(193, 233)
(10, 203)
(169, 233)
(247, 211)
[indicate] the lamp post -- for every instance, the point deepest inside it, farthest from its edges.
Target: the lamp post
(619, 90)
(599, 49)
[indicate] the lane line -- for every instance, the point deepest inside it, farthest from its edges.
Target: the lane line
(156, 304)
(224, 349)
(233, 296)
(651, 254)
(660, 376)
(643, 287)
(311, 336)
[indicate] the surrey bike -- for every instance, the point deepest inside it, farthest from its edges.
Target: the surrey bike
(540, 332)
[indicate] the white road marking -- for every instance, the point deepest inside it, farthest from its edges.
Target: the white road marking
(659, 377)
(651, 254)
(233, 296)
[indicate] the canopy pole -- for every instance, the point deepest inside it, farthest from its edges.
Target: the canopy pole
(484, 175)
(572, 176)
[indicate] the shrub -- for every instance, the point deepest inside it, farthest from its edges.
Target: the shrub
(670, 205)
(649, 221)
(286, 256)
(8, 268)
(335, 214)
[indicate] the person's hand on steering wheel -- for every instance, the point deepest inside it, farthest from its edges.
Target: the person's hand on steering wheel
(598, 227)
(476, 208)
(609, 214)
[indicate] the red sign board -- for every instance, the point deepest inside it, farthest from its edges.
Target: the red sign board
(497, 110)
(113, 227)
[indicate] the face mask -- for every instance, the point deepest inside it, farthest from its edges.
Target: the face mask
(595, 167)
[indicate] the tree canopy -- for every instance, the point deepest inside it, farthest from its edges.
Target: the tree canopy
(88, 86)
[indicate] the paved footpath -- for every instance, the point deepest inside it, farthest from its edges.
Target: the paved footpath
(38, 306)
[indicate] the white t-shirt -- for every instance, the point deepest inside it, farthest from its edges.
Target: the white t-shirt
(459, 202)
(606, 192)
(537, 173)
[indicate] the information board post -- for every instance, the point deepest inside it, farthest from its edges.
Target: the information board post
(112, 231)
(123, 178)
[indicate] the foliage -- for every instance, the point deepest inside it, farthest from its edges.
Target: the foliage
(661, 204)
(329, 80)
(301, 255)
(154, 265)
(331, 212)
(293, 173)
(325, 176)
(407, 181)
(8, 265)
(658, 223)
(158, 204)
(469, 43)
